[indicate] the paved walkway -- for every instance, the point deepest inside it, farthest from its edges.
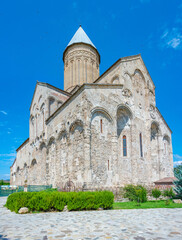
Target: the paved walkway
(142, 224)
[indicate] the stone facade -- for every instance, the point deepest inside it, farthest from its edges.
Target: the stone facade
(103, 133)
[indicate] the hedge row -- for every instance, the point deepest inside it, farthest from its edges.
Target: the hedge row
(48, 201)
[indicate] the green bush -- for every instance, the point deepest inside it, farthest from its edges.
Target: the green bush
(168, 193)
(156, 193)
(54, 200)
(135, 193)
(16, 200)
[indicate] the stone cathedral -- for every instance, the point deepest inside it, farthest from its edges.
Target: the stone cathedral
(100, 131)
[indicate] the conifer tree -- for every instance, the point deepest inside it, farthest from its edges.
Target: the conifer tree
(178, 182)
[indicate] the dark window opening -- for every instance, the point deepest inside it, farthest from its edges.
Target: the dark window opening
(101, 126)
(124, 147)
(141, 150)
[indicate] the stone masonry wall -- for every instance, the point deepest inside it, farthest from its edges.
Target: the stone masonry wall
(107, 134)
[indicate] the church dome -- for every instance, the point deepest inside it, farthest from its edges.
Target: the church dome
(80, 37)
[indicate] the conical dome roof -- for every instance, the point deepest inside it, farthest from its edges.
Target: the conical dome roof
(80, 37)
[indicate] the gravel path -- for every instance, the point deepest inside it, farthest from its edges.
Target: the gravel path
(135, 224)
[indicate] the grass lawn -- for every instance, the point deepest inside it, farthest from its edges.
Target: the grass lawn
(149, 204)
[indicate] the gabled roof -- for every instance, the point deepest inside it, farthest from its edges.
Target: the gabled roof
(49, 86)
(125, 59)
(80, 37)
(25, 142)
(166, 180)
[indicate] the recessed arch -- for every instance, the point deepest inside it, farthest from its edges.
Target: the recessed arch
(51, 141)
(18, 169)
(42, 145)
(51, 105)
(101, 132)
(166, 138)
(103, 111)
(124, 117)
(124, 106)
(154, 130)
(32, 119)
(42, 107)
(39, 98)
(76, 125)
(127, 81)
(138, 71)
(62, 134)
(59, 103)
(115, 79)
(139, 80)
(34, 106)
(34, 162)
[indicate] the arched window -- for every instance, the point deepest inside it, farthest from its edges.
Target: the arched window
(124, 146)
(141, 149)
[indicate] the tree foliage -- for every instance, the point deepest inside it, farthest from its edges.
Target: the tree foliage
(3, 183)
(156, 193)
(178, 182)
(135, 193)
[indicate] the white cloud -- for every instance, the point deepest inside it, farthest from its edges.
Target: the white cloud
(177, 160)
(177, 163)
(3, 112)
(177, 157)
(172, 38)
(164, 34)
(175, 42)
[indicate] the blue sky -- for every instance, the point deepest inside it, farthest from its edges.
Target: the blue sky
(34, 34)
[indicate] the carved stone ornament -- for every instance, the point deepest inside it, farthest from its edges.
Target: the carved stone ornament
(126, 93)
(152, 111)
(152, 115)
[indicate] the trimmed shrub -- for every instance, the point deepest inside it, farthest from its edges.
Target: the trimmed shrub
(135, 193)
(17, 200)
(156, 193)
(53, 200)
